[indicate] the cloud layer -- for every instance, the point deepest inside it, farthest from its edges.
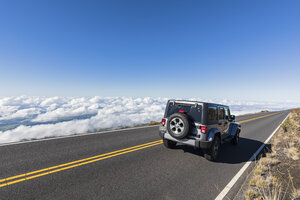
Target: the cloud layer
(27, 118)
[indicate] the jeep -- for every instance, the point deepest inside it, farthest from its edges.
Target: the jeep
(199, 124)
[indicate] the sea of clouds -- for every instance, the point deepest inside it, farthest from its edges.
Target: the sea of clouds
(28, 118)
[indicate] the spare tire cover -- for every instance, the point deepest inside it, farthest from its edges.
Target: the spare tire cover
(178, 125)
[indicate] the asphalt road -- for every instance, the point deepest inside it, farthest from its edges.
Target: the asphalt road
(144, 172)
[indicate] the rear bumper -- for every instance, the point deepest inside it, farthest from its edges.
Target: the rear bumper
(162, 131)
(195, 142)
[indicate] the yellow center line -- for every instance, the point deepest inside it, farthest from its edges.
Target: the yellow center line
(74, 162)
(77, 163)
(247, 120)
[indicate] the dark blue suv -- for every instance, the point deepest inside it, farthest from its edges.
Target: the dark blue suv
(199, 124)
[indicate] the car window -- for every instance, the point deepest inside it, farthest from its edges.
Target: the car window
(221, 113)
(191, 110)
(212, 113)
(227, 113)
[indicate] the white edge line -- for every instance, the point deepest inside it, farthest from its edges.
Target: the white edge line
(78, 135)
(227, 188)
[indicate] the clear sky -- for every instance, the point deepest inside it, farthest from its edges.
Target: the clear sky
(243, 49)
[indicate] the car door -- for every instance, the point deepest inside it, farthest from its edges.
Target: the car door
(221, 119)
(212, 118)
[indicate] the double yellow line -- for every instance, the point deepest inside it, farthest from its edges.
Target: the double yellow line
(77, 163)
(50, 170)
(247, 120)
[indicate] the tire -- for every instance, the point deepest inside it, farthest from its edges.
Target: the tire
(169, 144)
(235, 140)
(212, 153)
(178, 125)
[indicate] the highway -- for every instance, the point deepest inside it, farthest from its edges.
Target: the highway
(127, 164)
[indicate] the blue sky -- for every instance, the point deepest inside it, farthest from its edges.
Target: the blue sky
(202, 49)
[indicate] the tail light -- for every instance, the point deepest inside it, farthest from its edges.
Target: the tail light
(163, 121)
(203, 129)
(181, 111)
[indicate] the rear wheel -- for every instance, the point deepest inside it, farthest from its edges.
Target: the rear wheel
(169, 144)
(213, 152)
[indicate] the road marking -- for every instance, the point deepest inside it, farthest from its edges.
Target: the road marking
(227, 188)
(74, 163)
(77, 163)
(247, 120)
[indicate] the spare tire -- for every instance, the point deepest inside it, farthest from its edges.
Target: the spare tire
(178, 125)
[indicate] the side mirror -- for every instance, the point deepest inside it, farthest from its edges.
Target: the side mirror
(232, 117)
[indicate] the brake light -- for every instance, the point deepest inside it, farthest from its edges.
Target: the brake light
(181, 111)
(203, 129)
(163, 121)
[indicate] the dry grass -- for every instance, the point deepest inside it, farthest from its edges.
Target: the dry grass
(292, 152)
(263, 111)
(258, 171)
(153, 123)
(295, 191)
(271, 178)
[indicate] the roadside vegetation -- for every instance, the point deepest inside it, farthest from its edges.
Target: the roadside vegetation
(276, 175)
(153, 123)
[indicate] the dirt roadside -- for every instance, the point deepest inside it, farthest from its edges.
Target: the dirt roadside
(276, 173)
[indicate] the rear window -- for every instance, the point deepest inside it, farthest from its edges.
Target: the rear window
(194, 112)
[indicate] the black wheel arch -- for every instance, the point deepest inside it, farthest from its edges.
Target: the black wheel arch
(213, 133)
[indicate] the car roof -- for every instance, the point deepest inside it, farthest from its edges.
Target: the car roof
(193, 102)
